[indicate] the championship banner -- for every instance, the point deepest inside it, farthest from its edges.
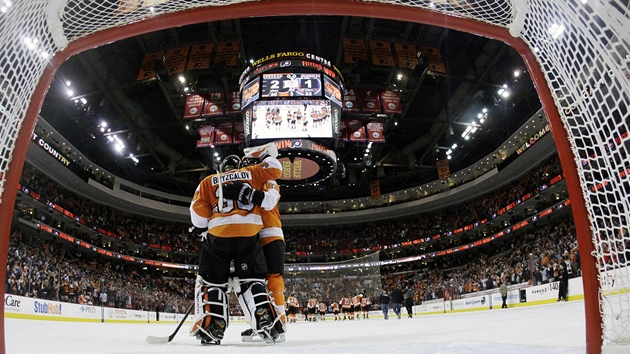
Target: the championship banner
(356, 130)
(227, 53)
(391, 102)
(233, 103)
(375, 131)
(239, 133)
(437, 67)
(199, 58)
(214, 104)
(434, 57)
(354, 50)
(193, 107)
(175, 60)
(350, 101)
(443, 170)
(407, 55)
(224, 132)
(370, 102)
(343, 130)
(381, 53)
(375, 189)
(147, 69)
(431, 53)
(206, 134)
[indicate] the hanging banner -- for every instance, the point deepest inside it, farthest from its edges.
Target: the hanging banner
(407, 55)
(343, 130)
(356, 130)
(206, 134)
(214, 104)
(354, 50)
(370, 102)
(193, 107)
(147, 69)
(175, 60)
(375, 131)
(350, 101)
(391, 102)
(233, 103)
(434, 58)
(381, 53)
(239, 132)
(227, 53)
(375, 189)
(199, 57)
(224, 133)
(444, 171)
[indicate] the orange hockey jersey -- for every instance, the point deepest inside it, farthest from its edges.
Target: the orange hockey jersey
(236, 219)
(272, 226)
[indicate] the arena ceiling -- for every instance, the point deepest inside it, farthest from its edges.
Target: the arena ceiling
(438, 103)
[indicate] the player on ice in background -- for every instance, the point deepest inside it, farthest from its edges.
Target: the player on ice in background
(226, 214)
(322, 310)
(294, 306)
(356, 304)
(365, 307)
(346, 307)
(335, 310)
(272, 240)
(312, 307)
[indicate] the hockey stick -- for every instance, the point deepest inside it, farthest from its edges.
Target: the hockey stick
(162, 340)
(220, 187)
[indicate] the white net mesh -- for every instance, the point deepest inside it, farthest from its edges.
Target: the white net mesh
(582, 47)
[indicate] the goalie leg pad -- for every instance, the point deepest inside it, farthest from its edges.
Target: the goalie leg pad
(258, 308)
(211, 316)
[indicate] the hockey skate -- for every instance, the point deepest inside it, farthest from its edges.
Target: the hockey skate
(265, 326)
(214, 333)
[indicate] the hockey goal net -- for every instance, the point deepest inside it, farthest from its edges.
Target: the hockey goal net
(577, 52)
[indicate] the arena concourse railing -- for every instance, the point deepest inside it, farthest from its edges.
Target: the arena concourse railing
(577, 53)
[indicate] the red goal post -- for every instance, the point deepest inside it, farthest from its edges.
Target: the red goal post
(576, 51)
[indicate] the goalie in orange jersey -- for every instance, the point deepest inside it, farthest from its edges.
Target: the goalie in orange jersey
(226, 213)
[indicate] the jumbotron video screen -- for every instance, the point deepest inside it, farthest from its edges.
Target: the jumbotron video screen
(305, 118)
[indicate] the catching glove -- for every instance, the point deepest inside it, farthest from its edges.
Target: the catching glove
(261, 152)
(242, 193)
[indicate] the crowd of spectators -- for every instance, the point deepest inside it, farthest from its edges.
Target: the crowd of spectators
(49, 270)
(171, 241)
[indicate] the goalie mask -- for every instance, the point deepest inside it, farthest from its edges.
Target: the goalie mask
(229, 163)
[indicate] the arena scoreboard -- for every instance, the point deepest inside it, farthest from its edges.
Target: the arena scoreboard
(294, 99)
(291, 85)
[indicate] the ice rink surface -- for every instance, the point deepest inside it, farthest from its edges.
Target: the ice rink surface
(555, 328)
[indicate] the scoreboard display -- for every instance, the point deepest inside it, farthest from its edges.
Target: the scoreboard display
(294, 99)
(291, 85)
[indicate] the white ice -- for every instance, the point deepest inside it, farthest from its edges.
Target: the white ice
(555, 328)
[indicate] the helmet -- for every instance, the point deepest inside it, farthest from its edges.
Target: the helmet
(249, 161)
(230, 162)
